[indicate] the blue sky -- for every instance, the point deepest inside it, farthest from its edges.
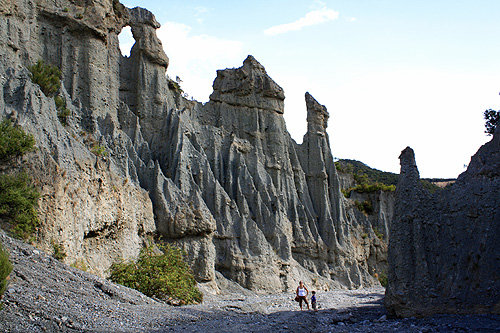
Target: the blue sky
(391, 73)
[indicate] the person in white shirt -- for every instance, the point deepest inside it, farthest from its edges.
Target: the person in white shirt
(302, 293)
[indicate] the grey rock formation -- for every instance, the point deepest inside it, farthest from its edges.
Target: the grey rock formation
(371, 229)
(443, 254)
(248, 86)
(223, 180)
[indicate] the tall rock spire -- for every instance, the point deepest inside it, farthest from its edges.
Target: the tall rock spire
(317, 116)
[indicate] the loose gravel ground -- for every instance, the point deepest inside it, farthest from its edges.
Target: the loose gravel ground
(45, 295)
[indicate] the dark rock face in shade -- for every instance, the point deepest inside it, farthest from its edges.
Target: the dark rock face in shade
(443, 254)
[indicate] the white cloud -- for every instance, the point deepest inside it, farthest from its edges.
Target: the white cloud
(351, 19)
(196, 58)
(200, 10)
(318, 4)
(312, 18)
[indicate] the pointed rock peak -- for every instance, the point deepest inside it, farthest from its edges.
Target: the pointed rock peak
(253, 64)
(408, 165)
(317, 116)
(248, 86)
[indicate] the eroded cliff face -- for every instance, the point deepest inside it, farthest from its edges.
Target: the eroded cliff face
(89, 205)
(370, 231)
(443, 253)
(222, 180)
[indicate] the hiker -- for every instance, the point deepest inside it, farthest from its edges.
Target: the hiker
(302, 293)
(313, 301)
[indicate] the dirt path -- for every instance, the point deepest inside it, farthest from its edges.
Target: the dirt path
(45, 295)
(279, 313)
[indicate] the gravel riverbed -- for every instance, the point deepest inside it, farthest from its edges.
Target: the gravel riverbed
(45, 295)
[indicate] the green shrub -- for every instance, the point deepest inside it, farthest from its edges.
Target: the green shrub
(161, 274)
(48, 77)
(18, 199)
(382, 278)
(14, 141)
(60, 103)
(99, 150)
(172, 85)
(378, 233)
(65, 9)
(346, 193)
(81, 265)
(365, 207)
(370, 188)
(58, 250)
(5, 269)
(492, 119)
(63, 115)
(62, 112)
(366, 178)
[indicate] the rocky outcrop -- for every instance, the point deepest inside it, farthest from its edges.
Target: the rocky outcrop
(248, 86)
(223, 180)
(372, 229)
(373, 213)
(443, 252)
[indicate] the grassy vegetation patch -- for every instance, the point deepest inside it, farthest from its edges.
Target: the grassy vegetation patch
(364, 174)
(382, 278)
(5, 269)
(369, 188)
(370, 180)
(378, 233)
(98, 150)
(161, 272)
(58, 251)
(365, 207)
(175, 85)
(81, 265)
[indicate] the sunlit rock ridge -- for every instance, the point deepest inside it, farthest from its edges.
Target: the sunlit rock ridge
(223, 180)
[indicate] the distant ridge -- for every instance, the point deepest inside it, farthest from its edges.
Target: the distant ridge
(385, 177)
